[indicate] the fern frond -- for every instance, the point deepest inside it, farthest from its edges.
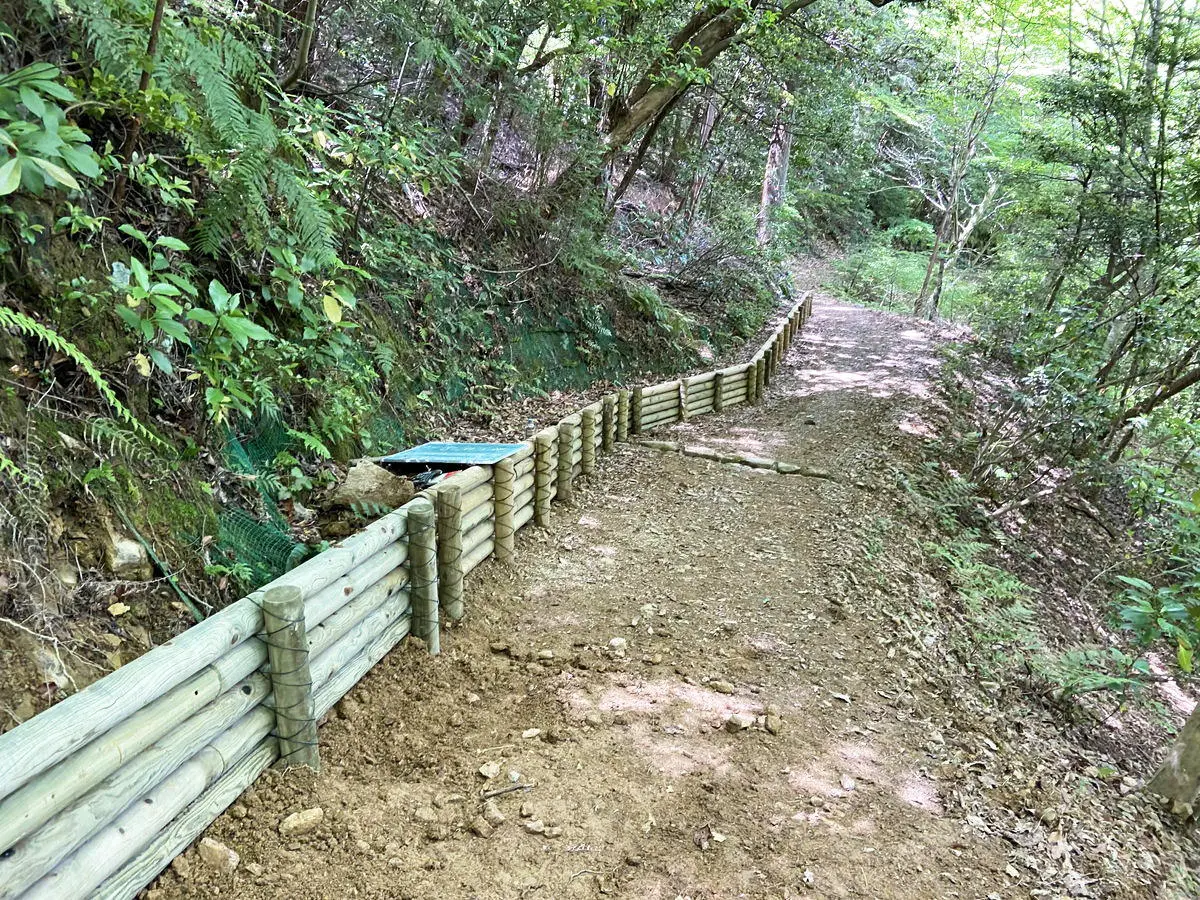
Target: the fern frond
(308, 216)
(10, 470)
(311, 442)
(205, 68)
(238, 204)
(109, 435)
(13, 320)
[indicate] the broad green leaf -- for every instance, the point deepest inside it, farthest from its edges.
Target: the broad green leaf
(333, 309)
(57, 172)
(220, 296)
(33, 102)
(140, 275)
(133, 232)
(10, 176)
(81, 159)
(161, 360)
(203, 316)
(171, 243)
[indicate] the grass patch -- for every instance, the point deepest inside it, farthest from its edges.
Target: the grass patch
(881, 276)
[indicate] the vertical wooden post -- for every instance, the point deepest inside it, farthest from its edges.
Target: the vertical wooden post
(450, 551)
(587, 440)
(718, 387)
(635, 411)
(504, 476)
(760, 371)
(423, 574)
(291, 682)
(683, 401)
(543, 448)
(566, 437)
(623, 402)
(608, 422)
(769, 368)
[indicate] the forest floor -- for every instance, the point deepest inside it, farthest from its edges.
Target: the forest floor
(604, 667)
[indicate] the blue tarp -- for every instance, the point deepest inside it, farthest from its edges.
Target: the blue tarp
(450, 453)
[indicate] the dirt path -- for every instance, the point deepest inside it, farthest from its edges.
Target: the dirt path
(673, 594)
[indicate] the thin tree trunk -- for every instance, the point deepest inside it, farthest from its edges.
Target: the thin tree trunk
(774, 176)
(300, 64)
(135, 130)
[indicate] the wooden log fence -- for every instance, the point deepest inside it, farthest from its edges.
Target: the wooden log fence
(101, 791)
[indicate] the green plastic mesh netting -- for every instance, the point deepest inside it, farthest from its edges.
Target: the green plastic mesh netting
(261, 543)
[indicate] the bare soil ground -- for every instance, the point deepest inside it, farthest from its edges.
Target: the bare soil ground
(604, 666)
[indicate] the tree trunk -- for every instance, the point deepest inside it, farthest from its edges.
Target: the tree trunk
(300, 64)
(709, 32)
(135, 130)
(774, 176)
(1178, 779)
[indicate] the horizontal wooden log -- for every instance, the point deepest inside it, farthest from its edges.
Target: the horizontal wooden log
(109, 849)
(339, 684)
(699, 380)
(348, 630)
(483, 512)
(576, 470)
(524, 498)
(469, 479)
(523, 482)
(50, 736)
(389, 592)
(53, 790)
(658, 421)
(30, 859)
(477, 496)
(328, 601)
(523, 467)
(660, 400)
(478, 555)
(662, 387)
(483, 531)
(521, 516)
(526, 452)
(657, 406)
(350, 644)
(700, 407)
(188, 825)
(43, 796)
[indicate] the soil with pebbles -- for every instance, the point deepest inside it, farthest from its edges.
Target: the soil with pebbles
(712, 682)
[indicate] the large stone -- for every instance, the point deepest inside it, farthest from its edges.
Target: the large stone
(126, 559)
(302, 822)
(369, 485)
(218, 857)
(739, 722)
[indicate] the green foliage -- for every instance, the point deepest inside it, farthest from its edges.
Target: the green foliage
(17, 321)
(878, 275)
(41, 149)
